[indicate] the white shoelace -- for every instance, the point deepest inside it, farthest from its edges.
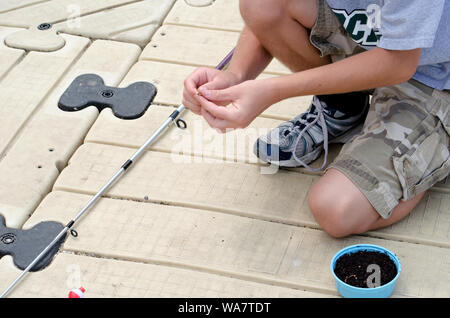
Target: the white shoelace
(317, 117)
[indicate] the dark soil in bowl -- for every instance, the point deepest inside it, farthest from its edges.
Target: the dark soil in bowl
(352, 268)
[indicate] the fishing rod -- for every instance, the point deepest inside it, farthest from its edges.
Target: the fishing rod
(172, 118)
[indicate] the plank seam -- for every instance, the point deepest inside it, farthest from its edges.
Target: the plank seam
(204, 269)
(199, 207)
(19, 60)
(141, 25)
(100, 10)
(271, 219)
(24, 6)
(81, 16)
(435, 189)
(303, 172)
(211, 28)
(196, 65)
(132, 28)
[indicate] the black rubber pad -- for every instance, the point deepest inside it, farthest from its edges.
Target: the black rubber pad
(89, 90)
(25, 245)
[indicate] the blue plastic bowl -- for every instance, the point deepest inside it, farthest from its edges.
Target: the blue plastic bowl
(349, 291)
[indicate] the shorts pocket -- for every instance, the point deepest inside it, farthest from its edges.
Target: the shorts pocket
(422, 160)
(327, 25)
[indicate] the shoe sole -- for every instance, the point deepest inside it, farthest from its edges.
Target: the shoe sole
(293, 163)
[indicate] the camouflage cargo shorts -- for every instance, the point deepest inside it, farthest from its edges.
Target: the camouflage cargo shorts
(403, 149)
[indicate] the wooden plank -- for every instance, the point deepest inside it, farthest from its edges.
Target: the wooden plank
(56, 11)
(46, 142)
(8, 5)
(191, 181)
(197, 47)
(109, 278)
(121, 20)
(8, 57)
(240, 247)
(25, 86)
(220, 15)
(133, 23)
(236, 188)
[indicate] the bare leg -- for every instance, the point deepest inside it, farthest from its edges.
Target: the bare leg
(282, 27)
(341, 209)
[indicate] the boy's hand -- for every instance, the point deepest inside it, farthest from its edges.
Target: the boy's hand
(205, 78)
(245, 102)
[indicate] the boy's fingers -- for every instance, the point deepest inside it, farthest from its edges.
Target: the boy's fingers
(211, 86)
(195, 110)
(190, 86)
(217, 83)
(187, 97)
(191, 104)
(195, 80)
(214, 122)
(224, 95)
(208, 86)
(216, 111)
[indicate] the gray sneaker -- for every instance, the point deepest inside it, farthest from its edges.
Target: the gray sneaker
(301, 140)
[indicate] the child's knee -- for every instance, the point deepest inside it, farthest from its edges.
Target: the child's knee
(331, 211)
(262, 14)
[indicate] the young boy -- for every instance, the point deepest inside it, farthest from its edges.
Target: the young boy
(341, 51)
